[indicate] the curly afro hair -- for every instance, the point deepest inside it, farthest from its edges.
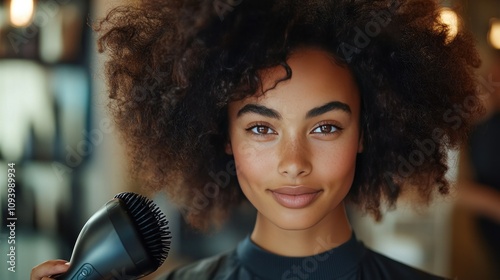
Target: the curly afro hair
(175, 65)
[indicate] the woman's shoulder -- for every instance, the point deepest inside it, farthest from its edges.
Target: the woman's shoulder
(203, 269)
(370, 266)
(384, 267)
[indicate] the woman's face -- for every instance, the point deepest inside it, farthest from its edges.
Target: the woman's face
(295, 147)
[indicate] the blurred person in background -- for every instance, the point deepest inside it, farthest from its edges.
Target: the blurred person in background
(479, 176)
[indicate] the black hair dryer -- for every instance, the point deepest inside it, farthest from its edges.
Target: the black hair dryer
(126, 239)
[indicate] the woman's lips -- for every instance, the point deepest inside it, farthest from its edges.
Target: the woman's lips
(295, 197)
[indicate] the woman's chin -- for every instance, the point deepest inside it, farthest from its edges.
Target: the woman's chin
(295, 222)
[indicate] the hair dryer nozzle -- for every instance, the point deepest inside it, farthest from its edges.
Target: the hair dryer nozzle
(128, 238)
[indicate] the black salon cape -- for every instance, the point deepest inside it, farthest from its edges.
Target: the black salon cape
(351, 260)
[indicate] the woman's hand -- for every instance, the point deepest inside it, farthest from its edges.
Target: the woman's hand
(44, 270)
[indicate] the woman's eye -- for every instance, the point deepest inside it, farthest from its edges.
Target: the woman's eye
(261, 130)
(325, 129)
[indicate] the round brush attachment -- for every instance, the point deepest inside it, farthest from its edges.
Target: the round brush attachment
(151, 224)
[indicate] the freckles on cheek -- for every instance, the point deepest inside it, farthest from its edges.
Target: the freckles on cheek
(252, 164)
(339, 166)
(245, 150)
(243, 157)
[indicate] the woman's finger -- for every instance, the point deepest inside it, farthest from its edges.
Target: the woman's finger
(45, 269)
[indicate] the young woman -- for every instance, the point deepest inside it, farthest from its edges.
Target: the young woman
(297, 106)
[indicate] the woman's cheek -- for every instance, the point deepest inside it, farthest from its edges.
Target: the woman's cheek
(336, 163)
(253, 163)
(246, 150)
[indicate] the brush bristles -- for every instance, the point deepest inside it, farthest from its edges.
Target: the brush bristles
(151, 223)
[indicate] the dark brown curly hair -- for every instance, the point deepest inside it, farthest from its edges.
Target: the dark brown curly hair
(174, 65)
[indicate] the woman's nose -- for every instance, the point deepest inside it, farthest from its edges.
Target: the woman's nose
(294, 158)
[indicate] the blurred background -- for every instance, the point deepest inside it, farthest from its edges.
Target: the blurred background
(69, 161)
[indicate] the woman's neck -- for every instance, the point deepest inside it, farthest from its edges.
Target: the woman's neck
(332, 231)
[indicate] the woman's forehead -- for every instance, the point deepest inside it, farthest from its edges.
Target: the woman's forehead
(316, 80)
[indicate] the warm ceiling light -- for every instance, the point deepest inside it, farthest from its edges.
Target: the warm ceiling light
(21, 12)
(494, 33)
(450, 18)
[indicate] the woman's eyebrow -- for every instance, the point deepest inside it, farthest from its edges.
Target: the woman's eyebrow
(314, 112)
(259, 109)
(334, 105)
